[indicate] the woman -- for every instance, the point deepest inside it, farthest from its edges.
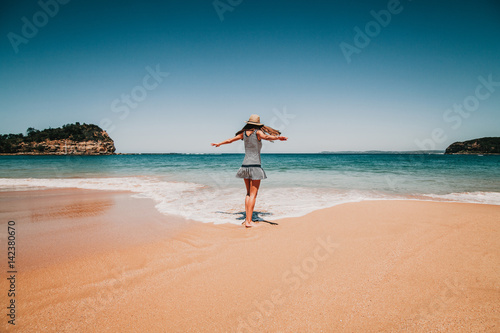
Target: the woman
(251, 170)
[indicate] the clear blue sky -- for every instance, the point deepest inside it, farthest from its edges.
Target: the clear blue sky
(284, 60)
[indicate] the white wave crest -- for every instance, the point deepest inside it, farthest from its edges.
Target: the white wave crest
(226, 205)
(488, 198)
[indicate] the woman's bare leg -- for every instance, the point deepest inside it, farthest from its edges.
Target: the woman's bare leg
(247, 197)
(252, 189)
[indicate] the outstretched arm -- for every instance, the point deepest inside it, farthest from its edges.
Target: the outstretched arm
(261, 135)
(225, 142)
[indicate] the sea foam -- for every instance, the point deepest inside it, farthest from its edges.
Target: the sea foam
(218, 204)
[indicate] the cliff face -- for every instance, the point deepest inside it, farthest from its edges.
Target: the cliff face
(70, 147)
(476, 146)
(71, 139)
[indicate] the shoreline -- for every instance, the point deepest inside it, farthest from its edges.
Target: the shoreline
(109, 262)
(273, 203)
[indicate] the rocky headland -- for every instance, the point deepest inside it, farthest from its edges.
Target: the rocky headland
(70, 139)
(482, 146)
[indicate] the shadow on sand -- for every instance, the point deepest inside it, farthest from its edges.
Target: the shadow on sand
(256, 216)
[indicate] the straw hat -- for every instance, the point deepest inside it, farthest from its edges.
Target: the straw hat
(254, 120)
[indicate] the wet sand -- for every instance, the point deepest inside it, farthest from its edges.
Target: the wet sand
(106, 262)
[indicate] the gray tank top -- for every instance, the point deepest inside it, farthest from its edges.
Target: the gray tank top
(252, 149)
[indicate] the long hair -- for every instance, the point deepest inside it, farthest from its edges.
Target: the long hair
(263, 128)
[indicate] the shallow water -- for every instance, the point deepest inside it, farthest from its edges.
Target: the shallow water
(204, 187)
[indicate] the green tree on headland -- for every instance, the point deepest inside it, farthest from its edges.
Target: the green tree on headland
(11, 143)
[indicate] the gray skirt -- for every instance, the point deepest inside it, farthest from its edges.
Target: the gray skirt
(251, 172)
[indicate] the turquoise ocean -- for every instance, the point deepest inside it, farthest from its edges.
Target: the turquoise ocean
(203, 187)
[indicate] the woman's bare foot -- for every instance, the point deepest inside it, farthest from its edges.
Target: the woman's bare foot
(251, 224)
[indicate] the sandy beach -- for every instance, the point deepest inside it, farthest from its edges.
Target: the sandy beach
(106, 262)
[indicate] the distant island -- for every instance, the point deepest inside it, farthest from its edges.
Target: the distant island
(70, 139)
(482, 146)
